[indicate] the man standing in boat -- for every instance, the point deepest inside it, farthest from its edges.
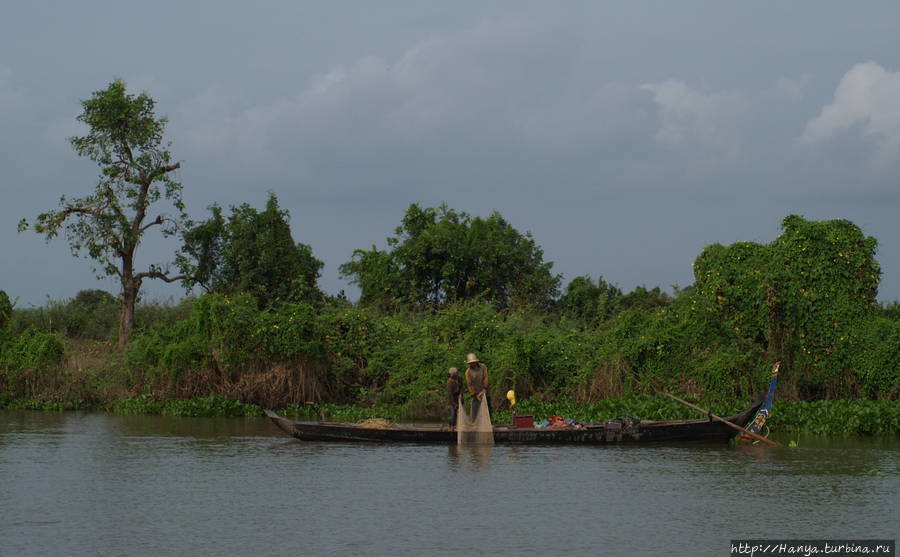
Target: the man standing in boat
(477, 383)
(454, 393)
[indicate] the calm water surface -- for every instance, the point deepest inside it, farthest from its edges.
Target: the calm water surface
(98, 484)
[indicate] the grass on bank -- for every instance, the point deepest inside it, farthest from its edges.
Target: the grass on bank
(826, 417)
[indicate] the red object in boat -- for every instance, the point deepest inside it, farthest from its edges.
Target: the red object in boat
(523, 420)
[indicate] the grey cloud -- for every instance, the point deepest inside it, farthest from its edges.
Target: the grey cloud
(482, 80)
(700, 122)
(866, 101)
(496, 88)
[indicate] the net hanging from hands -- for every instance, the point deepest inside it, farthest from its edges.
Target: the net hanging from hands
(476, 429)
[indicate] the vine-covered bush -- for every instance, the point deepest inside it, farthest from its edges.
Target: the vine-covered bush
(806, 299)
(33, 350)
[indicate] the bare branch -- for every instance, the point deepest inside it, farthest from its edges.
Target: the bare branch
(156, 221)
(159, 275)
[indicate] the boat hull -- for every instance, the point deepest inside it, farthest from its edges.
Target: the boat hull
(610, 432)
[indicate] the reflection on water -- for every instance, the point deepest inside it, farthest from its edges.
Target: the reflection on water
(479, 456)
(96, 484)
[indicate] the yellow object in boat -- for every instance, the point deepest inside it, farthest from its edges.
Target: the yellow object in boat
(511, 397)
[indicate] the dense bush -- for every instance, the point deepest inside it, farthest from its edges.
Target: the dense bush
(806, 299)
(32, 350)
(875, 359)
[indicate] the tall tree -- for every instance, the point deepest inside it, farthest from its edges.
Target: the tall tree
(591, 303)
(252, 252)
(440, 256)
(125, 139)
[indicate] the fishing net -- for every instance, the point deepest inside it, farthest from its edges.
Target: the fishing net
(477, 428)
(375, 423)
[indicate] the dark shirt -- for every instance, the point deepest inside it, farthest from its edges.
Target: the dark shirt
(454, 388)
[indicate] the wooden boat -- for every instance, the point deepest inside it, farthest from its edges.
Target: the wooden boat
(617, 431)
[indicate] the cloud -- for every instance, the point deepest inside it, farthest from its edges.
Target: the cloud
(479, 82)
(698, 121)
(866, 101)
(498, 102)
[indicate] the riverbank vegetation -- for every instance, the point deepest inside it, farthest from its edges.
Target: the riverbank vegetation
(588, 351)
(824, 417)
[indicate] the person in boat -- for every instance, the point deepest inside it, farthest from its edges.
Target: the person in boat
(454, 394)
(477, 383)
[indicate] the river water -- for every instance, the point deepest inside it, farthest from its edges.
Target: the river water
(99, 484)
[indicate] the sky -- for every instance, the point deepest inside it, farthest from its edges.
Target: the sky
(625, 136)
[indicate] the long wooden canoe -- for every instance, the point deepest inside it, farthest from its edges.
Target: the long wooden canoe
(624, 431)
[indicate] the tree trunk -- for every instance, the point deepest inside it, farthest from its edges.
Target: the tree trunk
(130, 289)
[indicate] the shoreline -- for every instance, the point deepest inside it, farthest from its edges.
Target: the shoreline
(826, 417)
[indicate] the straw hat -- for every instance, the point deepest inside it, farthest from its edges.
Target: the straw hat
(453, 371)
(471, 358)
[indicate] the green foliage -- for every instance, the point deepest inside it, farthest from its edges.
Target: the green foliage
(592, 304)
(226, 334)
(797, 299)
(70, 318)
(442, 256)
(197, 407)
(202, 254)
(806, 299)
(252, 253)
(93, 315)
(890, 310)
(141, 405)
(29, 361)
(641, 298)
(211, 406)
(45, 405)
(32, 350)
(831, 417)
(875, 359)
(825, 417)
(824, 279)
(238, 333)
(153, 313)
(378, 276)
(6, 310)
(731, 287)
(126, 140)
(168, 351)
